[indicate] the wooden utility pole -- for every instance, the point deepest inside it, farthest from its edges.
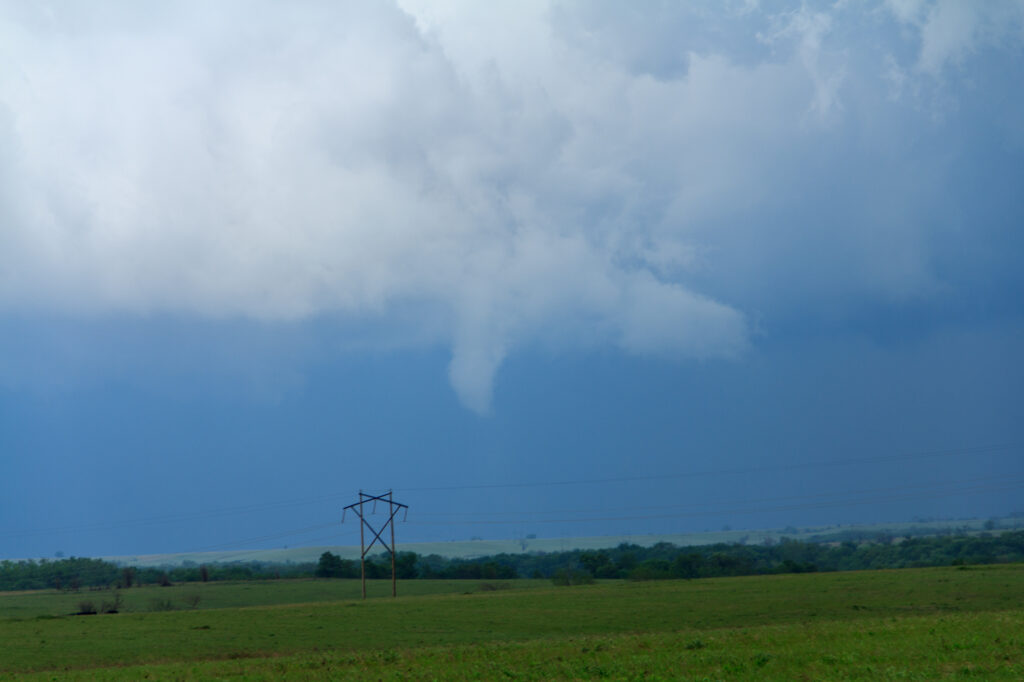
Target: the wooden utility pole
(364, 549)
(391, 518)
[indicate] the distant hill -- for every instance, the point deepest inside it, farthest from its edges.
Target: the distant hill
(470, 549)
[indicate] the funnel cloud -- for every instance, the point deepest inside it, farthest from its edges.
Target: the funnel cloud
(281, 164)
(508, 259)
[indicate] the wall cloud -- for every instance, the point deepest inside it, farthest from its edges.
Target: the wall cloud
(494, 166)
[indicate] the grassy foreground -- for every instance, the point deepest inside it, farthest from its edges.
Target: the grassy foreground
(223, 595)
(907, 624)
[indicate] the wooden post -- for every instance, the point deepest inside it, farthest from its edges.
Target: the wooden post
(362, 550)
(391, 517)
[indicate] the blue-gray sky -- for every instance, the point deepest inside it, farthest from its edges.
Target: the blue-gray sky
(564, 268)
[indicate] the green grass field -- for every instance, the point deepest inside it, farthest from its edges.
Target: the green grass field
(223, 595)
(906, 624)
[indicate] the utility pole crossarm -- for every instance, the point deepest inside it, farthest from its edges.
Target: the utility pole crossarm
(375, 498)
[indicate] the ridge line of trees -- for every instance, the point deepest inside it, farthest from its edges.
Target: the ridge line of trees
(627, 561)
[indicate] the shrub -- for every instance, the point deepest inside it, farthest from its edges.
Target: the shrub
(86, 608)
(112, 606)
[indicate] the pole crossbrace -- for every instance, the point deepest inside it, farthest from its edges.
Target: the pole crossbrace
(364, 549)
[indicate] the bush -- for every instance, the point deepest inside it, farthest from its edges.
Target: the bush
(112, 606)
(86, 608)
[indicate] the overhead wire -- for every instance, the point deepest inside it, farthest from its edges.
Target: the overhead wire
(704, 504)
(975, 450)
(277, 504)
(830, 499)
(812, 501)
(750, 510)
(173, 518)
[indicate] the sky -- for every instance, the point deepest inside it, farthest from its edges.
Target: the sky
(550, 268)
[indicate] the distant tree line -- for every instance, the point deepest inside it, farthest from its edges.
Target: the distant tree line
(77, 574)
(665, 560)
(410, 565)
(627, 561)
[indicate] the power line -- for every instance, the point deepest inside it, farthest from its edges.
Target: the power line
(241, 554)
(976, 450)
(827, 500)
(172, 518)
(810, 501)
(902, 488)
(751, 510)
(277, 504)
(264, 538)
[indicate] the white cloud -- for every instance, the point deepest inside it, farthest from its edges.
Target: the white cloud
(479, 161)
(951, 30)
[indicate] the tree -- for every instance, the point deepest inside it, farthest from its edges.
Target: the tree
(405, 565)
(333, 566)
(595, 561)
(687, 566)
(329, 565)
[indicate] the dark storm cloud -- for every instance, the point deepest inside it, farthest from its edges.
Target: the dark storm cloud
(587, 173)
